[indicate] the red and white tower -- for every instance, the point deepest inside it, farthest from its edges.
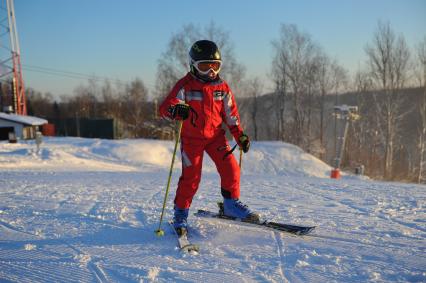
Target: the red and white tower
(10, 59)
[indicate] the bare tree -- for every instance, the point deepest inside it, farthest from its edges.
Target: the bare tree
(294, 68)
(83, 103)
(388, 62)
(421, 56)
(134, 110)
(310, 106)
(281, 98)
(253, 91)
(173, 63)
(112, 98)
(325, 86)
(364, 140)
(39, 104)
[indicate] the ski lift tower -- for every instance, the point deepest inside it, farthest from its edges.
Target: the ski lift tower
(344, 114)
(11, 80)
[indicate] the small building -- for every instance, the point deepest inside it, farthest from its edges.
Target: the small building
(19, 126)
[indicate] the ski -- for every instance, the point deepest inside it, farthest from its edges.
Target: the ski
(288, 228)
(183, 243)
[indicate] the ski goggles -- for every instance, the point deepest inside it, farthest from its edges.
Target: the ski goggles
(204, 66)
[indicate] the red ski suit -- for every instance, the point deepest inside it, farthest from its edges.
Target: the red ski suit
(211, 104)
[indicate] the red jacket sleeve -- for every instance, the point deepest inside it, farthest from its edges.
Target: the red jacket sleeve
(231, 115)
(175, 96)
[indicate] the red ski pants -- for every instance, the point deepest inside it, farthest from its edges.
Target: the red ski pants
(192, 161)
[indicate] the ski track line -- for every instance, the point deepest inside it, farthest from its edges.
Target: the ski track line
(364, 211)
(97, 271)
(351, 241)
(277, 238)
(93, 267)
(396, 221)
(270, 159)
(141, 213)
(340, 239)
(91, 217)
(10, 227)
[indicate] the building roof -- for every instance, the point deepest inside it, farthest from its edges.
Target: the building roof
(26, 120)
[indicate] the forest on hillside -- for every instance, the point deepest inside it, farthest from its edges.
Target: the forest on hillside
(364, 144)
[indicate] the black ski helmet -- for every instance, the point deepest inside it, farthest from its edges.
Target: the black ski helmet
(203, 50)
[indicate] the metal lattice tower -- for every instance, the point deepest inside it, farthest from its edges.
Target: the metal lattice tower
(10, 60)
(345, 114)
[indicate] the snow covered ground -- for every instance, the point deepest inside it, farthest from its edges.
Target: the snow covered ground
(85, 210)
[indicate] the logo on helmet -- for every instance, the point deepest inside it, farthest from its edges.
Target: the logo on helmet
(198, 49)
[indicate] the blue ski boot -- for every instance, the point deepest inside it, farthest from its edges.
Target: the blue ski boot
(234, 208)
(180, 220)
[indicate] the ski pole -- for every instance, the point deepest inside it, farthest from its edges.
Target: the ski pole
(241, 157)
(159, 231)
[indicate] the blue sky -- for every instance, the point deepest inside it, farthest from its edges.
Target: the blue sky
(124, 39)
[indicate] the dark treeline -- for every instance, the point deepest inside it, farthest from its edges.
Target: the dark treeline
(389, 139)
(126, 104)
(364, 146)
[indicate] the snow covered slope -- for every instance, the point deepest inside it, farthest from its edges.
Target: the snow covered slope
(86, 210)
(70, 154)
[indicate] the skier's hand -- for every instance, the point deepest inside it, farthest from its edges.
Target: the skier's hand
(179, 111)
(244, 142)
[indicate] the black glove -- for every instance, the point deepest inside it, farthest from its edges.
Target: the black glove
(179, 111)
(244, 142)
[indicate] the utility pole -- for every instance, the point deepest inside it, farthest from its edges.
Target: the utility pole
(10, 59)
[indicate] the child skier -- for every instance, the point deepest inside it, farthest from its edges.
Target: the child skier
(203, 100)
